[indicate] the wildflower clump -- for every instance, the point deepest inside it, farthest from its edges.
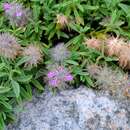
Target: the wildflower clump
(16, 13)
(113, 46)
(113, 81)
(57, 76)
(9, 46)
(119, 48)
(59, 53)
(34, 54)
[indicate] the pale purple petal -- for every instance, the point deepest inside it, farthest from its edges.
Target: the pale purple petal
(18, 14)
(54, 82)
(68, 77)
(51, 74)
(7, 6)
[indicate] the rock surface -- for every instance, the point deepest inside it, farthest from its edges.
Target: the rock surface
(79, 109)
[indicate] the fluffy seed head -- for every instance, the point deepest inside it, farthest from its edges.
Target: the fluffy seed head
(93, 70)
(124, 57)
(62, 20)
(59, 53)
(34, 54)
(113, 81)
(94, 43)
(9, 47)
(114, 45)
(57, 76)
(16, 13)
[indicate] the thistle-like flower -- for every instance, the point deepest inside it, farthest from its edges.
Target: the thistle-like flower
(34, 54)
(114, 45)
(94, 43)
(116, 82)
(124, 57)
(9, 47)
(57, 76)
(59, 53)
(62, 20)
(16, 13)
(93, 70)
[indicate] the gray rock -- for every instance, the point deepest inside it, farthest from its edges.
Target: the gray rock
(79, 109)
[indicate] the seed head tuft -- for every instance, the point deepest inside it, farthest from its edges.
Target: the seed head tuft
(113, 81)
(59, 53)
(94, 43)
(9, 47)
(62, 20)
(34, 54)
(16, 13)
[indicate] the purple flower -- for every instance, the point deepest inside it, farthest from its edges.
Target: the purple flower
(6, 6)
(18, 14)
(54, 82)
(51, 74)
(58, 76)
(68, 77)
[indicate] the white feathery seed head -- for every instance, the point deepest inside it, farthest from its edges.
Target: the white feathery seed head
(9, 47)
(59, 53)
(16, 13)
(34, 54)
(109, 80)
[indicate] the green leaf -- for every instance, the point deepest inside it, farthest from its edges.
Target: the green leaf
(37, 84)
(24, 78)
(89, 7)
(6, 105)
(2, 65)
(109, 59)
(2, 123)
(23, 60)
(3, 74)
(25, 94)
(80, 8)
(89, 81)
(16, 88)
(4, 89)
(125, 8)
(72, 62)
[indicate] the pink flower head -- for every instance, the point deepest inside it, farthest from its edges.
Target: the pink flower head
(68, 77)
(54, 82)
(58, 76)
(51, 74)
(6, 6)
